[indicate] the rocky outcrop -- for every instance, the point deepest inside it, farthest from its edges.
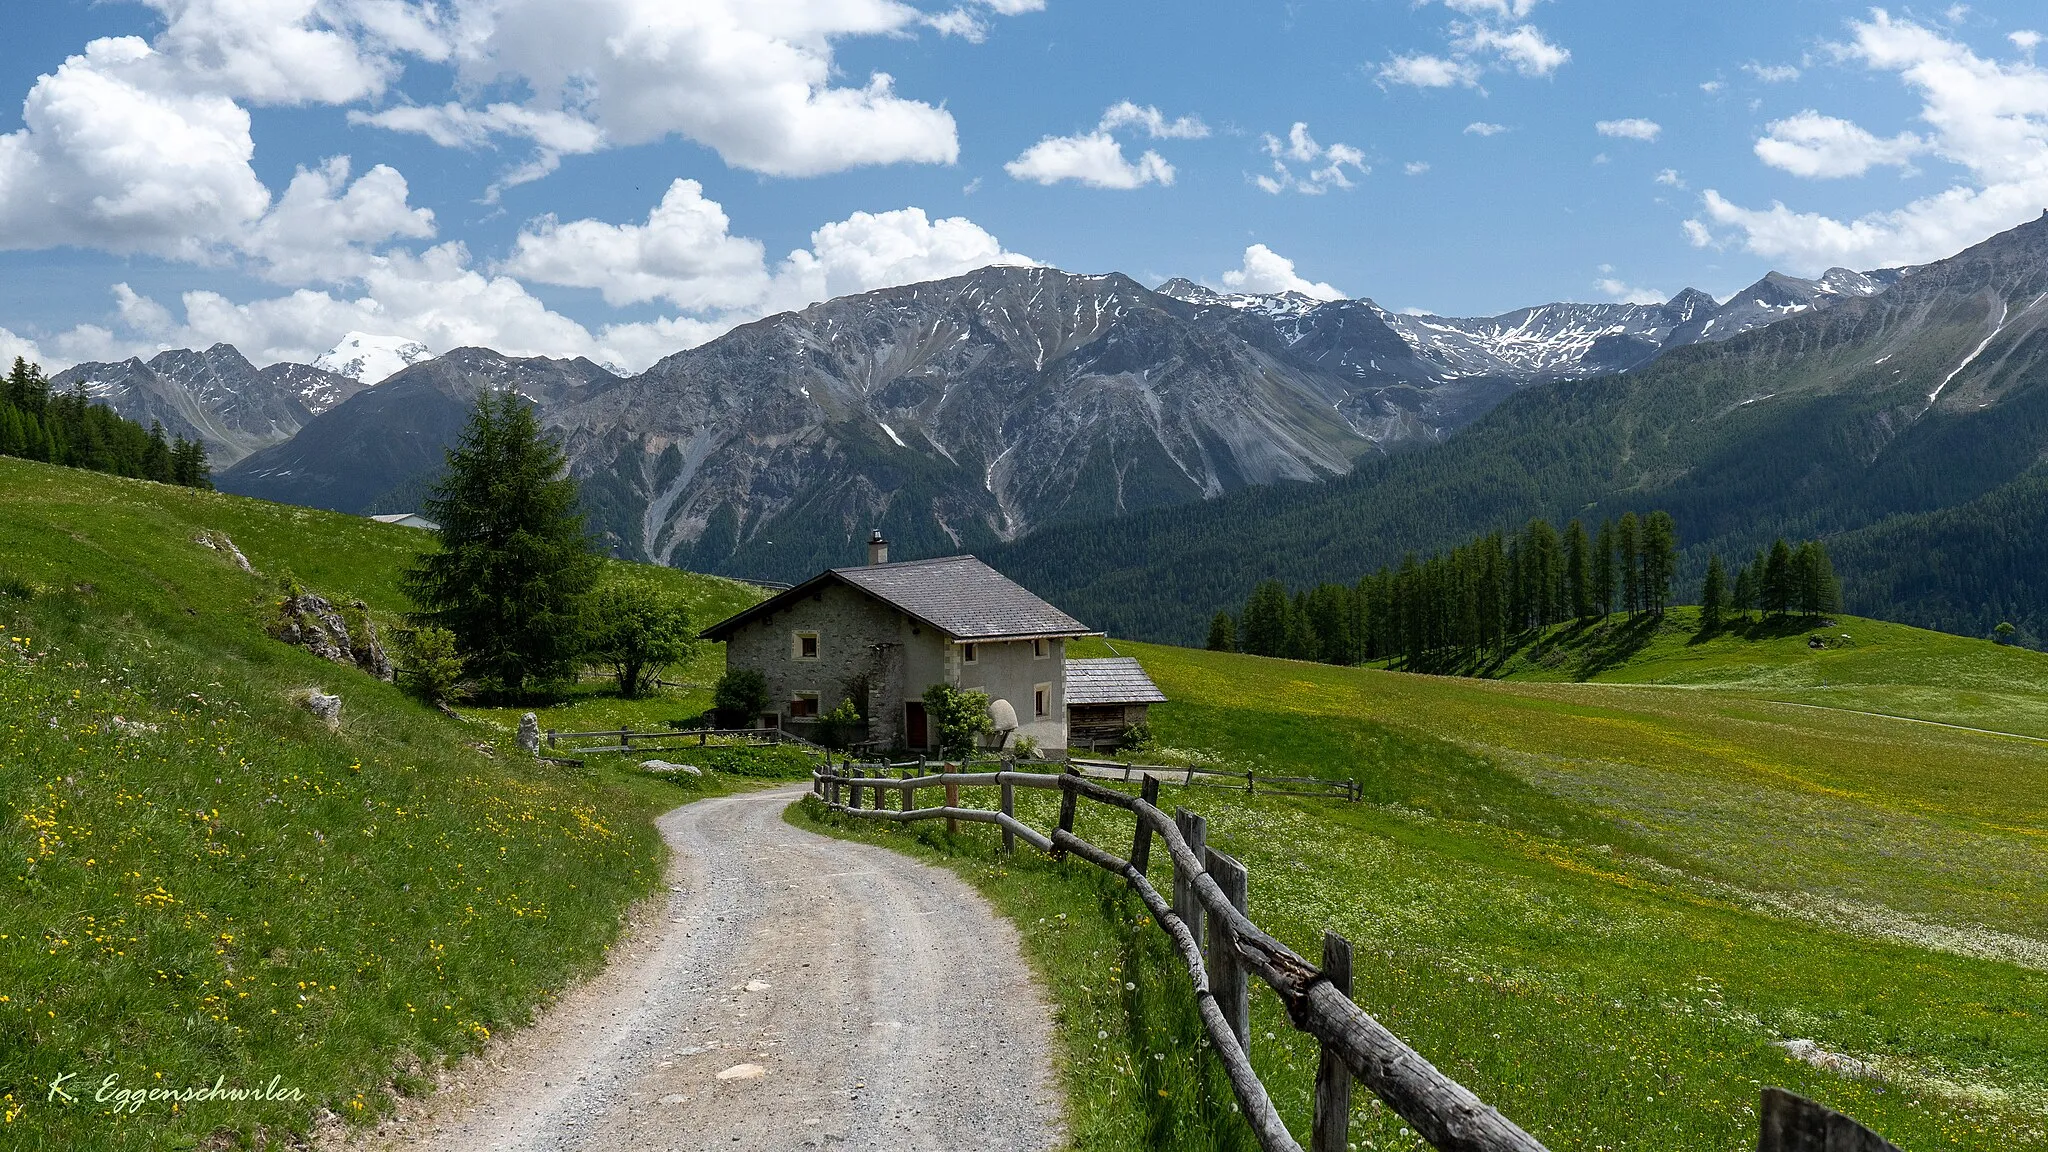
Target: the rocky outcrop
(219, 542)
(309, 621)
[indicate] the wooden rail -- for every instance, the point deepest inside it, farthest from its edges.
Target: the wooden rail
(1209, 890)
(650, 741)
(1253, 783)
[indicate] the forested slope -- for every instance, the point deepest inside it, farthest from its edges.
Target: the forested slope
(1906, 424)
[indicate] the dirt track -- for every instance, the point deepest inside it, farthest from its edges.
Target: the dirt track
(879, 1002)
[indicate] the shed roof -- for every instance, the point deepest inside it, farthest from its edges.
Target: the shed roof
(1110, 680)
(957, 595)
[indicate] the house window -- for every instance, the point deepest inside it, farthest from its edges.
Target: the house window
(967, 653)
(1041, 698)
(804, 646)
(803, 706)
(1041, 648)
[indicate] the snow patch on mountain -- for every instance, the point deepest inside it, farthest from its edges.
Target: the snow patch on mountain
(371, 359)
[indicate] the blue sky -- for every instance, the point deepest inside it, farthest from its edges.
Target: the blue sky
(278, 172)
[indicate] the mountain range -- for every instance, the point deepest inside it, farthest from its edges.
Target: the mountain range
(956, 414)
(1906, 427)
(1143, 455)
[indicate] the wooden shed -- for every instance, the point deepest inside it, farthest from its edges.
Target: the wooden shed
(1106, 698)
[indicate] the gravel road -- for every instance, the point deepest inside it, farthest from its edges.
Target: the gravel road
(794, 992)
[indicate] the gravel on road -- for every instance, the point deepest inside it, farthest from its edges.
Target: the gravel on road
(792, 991)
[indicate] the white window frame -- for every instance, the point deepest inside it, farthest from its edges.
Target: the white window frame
(796, 647)
(1041, 699)
(1041, 649)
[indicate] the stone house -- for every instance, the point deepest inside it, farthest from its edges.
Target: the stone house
(881, 634)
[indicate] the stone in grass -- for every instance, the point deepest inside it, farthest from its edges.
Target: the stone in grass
(529, 734)
(665, 766)
(325, 708)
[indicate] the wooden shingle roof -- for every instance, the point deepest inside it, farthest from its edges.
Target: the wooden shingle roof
(1110, 680)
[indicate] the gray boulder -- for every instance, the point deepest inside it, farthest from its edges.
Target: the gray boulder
(311, 621)
(529, 734)
(665, 767)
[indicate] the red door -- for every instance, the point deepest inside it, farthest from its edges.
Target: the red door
(916, 734)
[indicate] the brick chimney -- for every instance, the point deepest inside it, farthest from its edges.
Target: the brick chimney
(878, 548)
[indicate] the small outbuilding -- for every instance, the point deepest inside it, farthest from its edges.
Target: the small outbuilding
(407, 520)
(1106, 698)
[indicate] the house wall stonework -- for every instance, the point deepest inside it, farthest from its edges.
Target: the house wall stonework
(861, 637)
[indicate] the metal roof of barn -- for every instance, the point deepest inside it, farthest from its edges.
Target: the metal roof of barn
(957, 595)
(1110, 680)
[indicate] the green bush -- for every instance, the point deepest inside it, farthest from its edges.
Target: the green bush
(840, 727)
(960, 717)
(433, 665)
(740, 698)
(639, 628)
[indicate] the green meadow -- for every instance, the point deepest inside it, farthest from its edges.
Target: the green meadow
(199, 881)
(1603, 906)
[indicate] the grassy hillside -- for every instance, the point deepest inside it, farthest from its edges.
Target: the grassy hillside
(1604, 905)
(202, 882)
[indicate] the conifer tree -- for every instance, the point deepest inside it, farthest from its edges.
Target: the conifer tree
(1660, 561)
(514, 562)
(1628, 547)
(1776, 589)
(1814, 589)
(1713, 595)
(1265, 619)
(156, 456)
(1578, 570)
(1603, 569)
(1743, 600)
(1222, 633)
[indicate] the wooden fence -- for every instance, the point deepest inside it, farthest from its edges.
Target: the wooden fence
(1221, 948)
(672, 740)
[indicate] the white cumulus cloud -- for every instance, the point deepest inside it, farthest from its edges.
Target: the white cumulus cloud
(1987, 116)
(1810, 144)
(1299, 164)
(1633, 128)
(754, 81)
(1491, 39)
(1483, 128)
(685, 253)
(1266, 271)
(1771, 73)
(1096, 158)
(1627, 293)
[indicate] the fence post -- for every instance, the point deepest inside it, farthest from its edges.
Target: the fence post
(1186, 904)
(1141, 841)
(1792, 1123)
(1332, 1130)
(551, 737)
(1227, 975)
(881, 794)
(952, 801)
(1068, 799)
(625, 739)
(1009, 808)
(853, 786)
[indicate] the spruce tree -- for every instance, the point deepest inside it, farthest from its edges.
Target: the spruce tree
(1222, 633)
(1744, 598)
(1660, 561)
(1713, 595)
(1776, 589)
(1265, 619)
(1578, 570)
(1603, 568)
(514, 562)
(1628, 547)
(1815, 591)
(156, 457)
